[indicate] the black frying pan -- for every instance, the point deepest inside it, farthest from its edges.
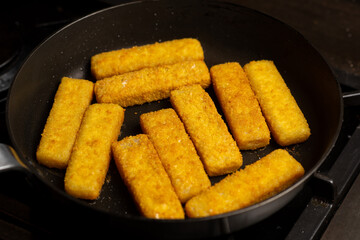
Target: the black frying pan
(228, 32)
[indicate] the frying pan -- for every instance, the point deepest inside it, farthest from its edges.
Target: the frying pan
(228, 32)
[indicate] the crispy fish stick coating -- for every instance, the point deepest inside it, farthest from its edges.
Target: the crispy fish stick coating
(286, 121)
(208, 131)
(176, 151)
(117, 62)
(90, 158)
(257, 182)
(240, 106)
(151, 84)
(71, 100)
(144, 175)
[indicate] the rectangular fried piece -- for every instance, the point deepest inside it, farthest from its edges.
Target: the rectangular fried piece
(208, 131)
(151, 84)
(284, 117)
(176, 151)
(240, 106)
(90, 158)
(117, 62)
(257, 182)
(144, 175)
(60, 130)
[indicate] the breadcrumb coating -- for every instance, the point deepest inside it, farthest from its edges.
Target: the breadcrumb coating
(144, 175)
(117, 62)
(71, 100)
(176, 151)
(208, 131)
(257, 182)
(240, 106)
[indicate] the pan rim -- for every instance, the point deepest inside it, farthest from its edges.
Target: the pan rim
(295, 186)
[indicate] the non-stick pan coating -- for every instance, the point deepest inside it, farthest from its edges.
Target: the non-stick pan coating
(227, 32)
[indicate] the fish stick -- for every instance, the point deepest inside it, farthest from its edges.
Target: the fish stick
(208, 131)
(151, 84)
(71, 100)
(286, 121)
(140, 167)
(90, 158)
(117, 62)
(176, 151)
(257, 182)
(240, 106)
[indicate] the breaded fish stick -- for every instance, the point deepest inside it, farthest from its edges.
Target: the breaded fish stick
(240, 106)
(176, 151)
(117, 62)
(257, 182)
(144, 175)
(286, 121)
(151, 84)
(90, 158)
(209, 133)
(71, 100)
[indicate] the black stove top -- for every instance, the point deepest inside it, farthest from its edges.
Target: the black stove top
(27, 213)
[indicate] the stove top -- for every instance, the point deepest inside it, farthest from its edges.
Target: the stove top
(321, 209)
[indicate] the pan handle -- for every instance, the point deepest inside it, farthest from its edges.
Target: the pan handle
(9, 160)
(352, 98)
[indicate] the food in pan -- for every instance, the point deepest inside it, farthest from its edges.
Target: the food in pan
(176, 151)
(144, 175)
(257, 182)
(151, 84)
(208, 131)
(240, 106)
(286, 121)
(72, 98)
(90, 158)
(117, 62)
(165, 167)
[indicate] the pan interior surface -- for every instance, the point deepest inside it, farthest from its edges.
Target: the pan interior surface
(227, 33)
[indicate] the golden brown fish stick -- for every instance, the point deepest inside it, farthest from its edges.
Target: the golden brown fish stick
(90, 158)
(257, 182)
(71, 100)
(117, 62)
(176, 151)
(144, 175)
(286, 121)
(240, 106)
(208, 131)
(151, 84)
